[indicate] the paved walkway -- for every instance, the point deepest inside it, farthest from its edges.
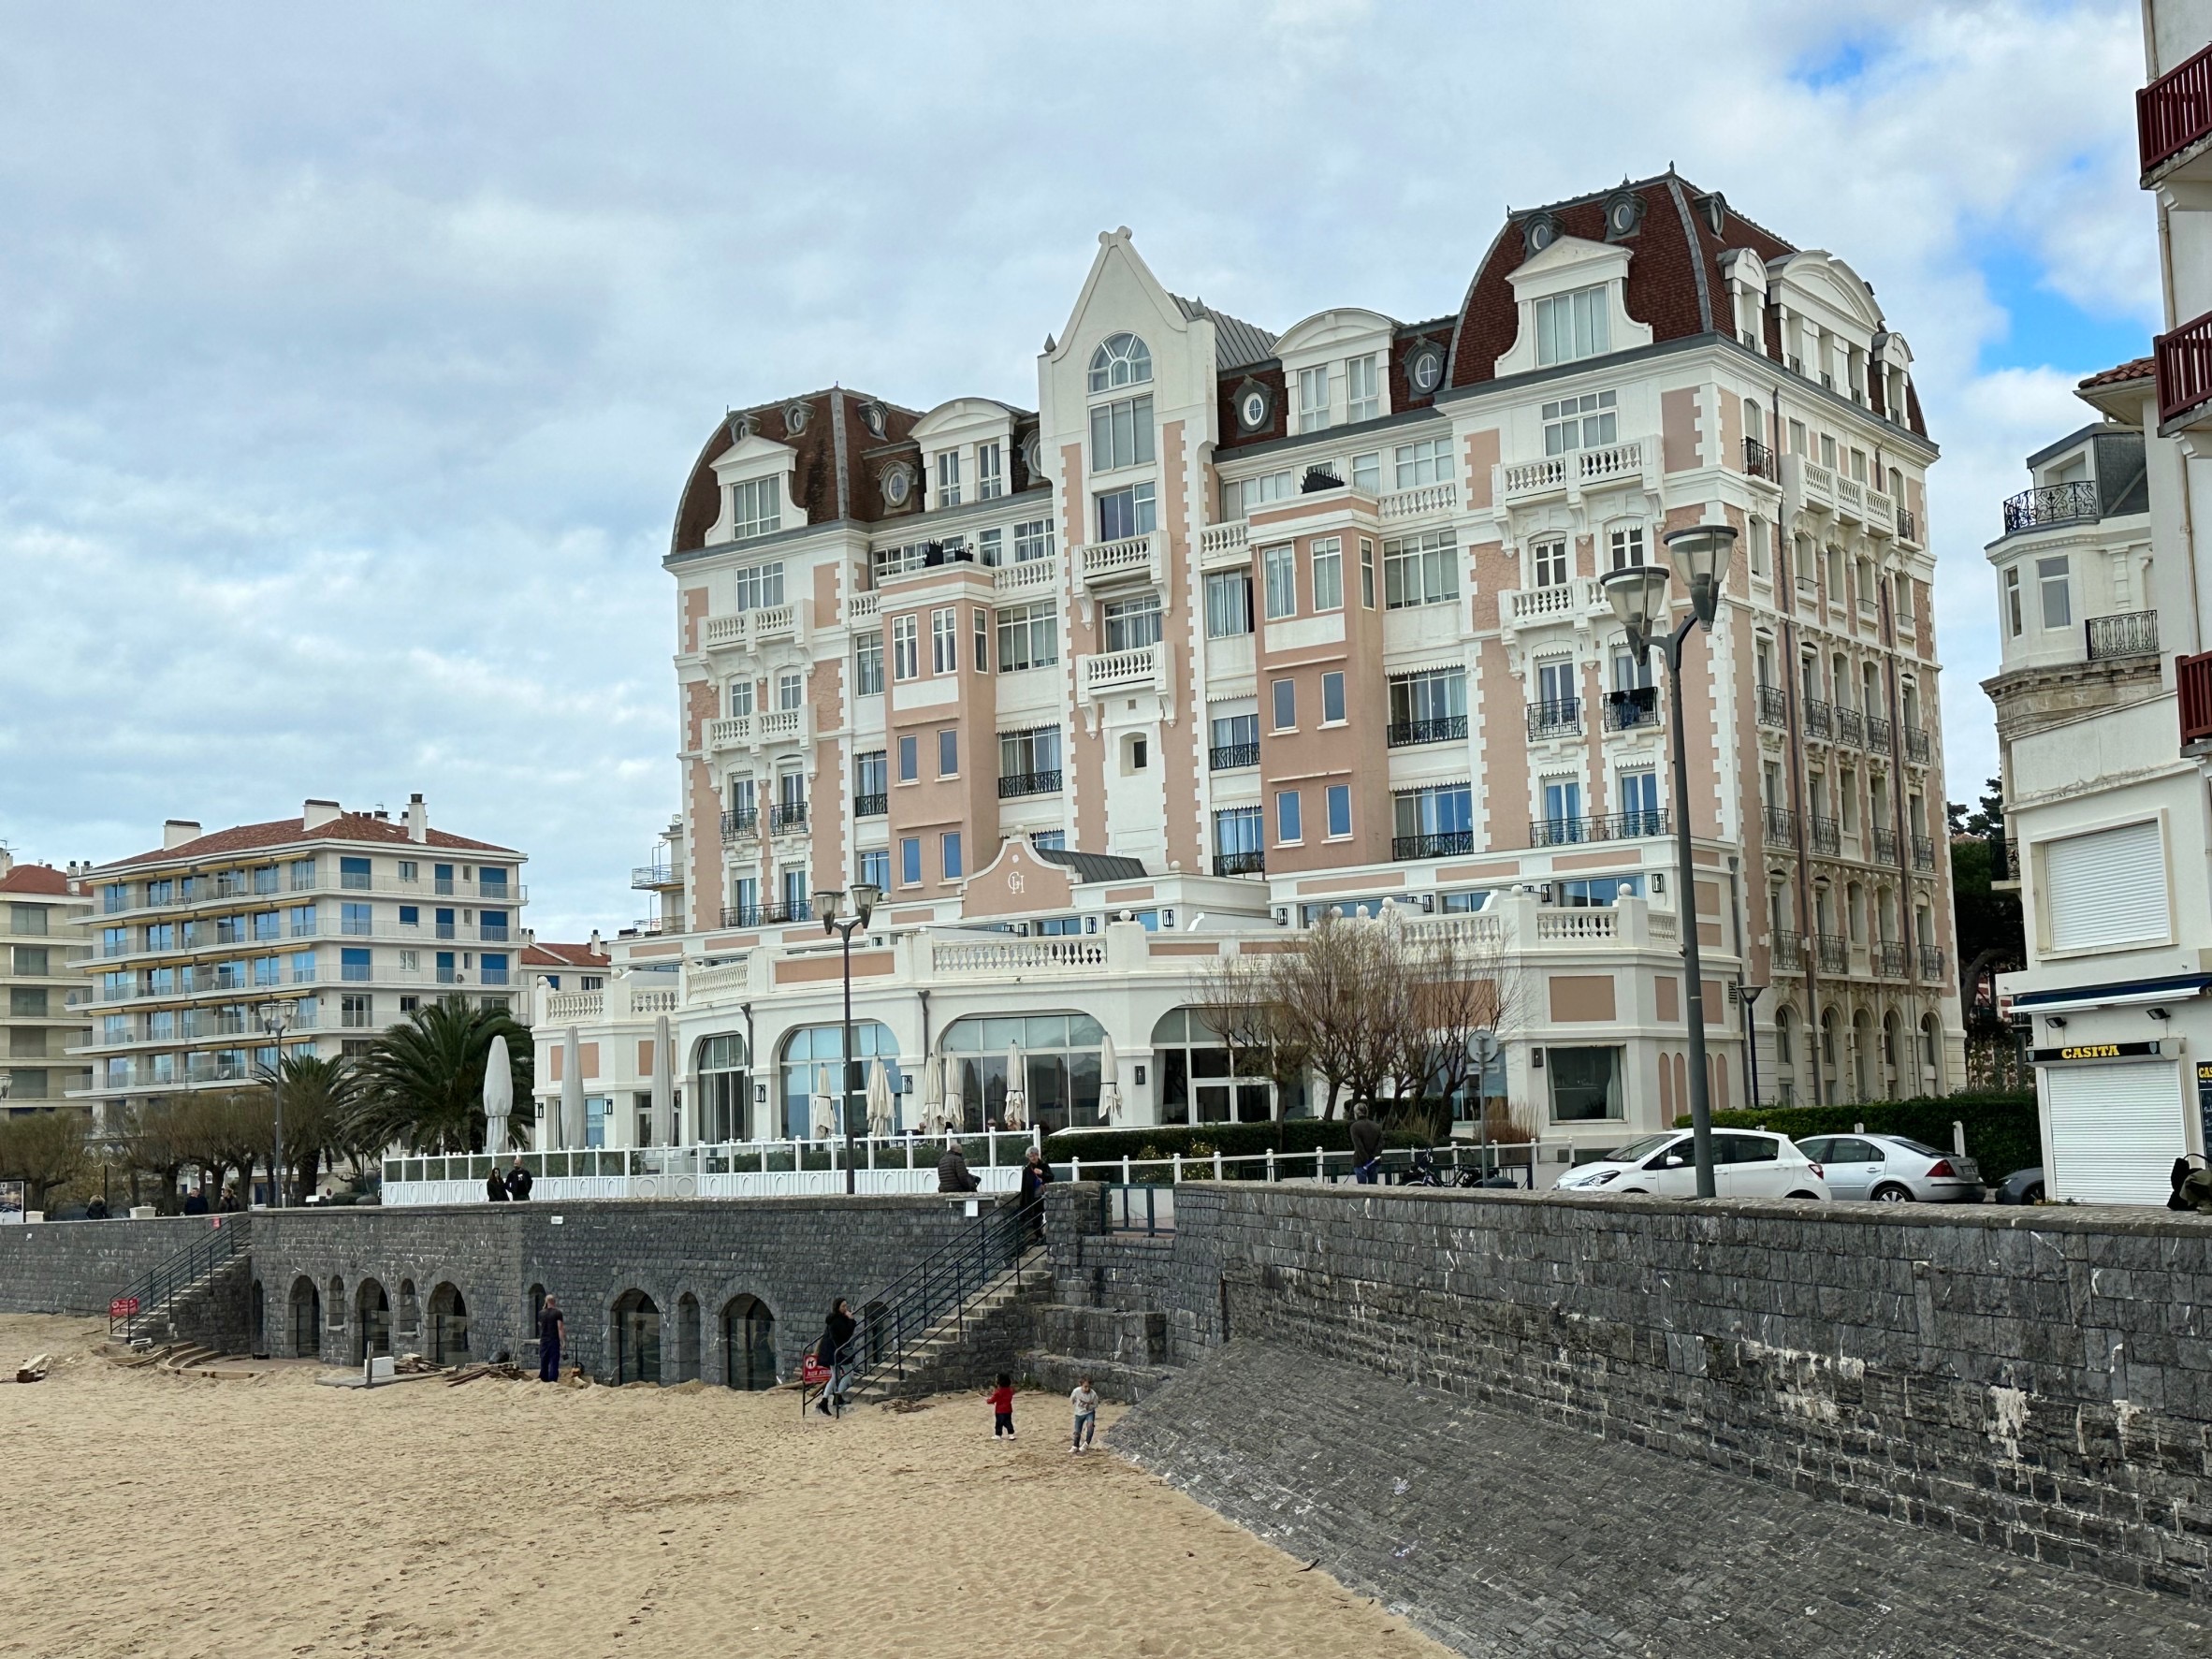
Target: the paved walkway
(1503, 1535)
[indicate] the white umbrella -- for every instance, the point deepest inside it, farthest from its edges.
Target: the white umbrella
(499, 1096)
(821, 1116)
(1109, 1079)
(951, 1095)
(572, 1090)
(932, 1087)
(1017, 1096)
(880, 1120)
(663, 1085)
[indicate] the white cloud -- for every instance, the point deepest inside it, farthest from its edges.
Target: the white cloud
(350, 365)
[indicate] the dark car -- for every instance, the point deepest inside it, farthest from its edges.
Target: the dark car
(2022, 1186)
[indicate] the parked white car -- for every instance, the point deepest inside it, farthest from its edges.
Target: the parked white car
(1746, 1163)
(1891, 1169)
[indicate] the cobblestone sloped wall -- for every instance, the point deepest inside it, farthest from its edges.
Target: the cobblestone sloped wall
(2038, 1381)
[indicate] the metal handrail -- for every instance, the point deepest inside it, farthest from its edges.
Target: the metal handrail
(226, 1236)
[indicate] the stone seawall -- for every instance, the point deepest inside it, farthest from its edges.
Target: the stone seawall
(2038, 1381)
(74, 1267)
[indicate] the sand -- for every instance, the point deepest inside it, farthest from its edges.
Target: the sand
(166, 1517)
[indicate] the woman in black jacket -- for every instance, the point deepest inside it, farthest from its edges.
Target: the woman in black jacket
(836, 1332)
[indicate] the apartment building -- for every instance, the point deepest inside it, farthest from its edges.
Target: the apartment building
(42, 1013)
(2104, 705)
(347, 922)
(1236, 628)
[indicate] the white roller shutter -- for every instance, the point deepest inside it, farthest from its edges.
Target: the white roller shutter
(2108, 888)
(2116, 1130)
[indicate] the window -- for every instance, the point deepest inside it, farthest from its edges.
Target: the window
(948, 478)
(949, 854)
(873, 867)
(1420, 570)
(1285, 702)
(1563, 811)
(909, 861)
(1028, 637)
(1313, 399)
(1238, 732)
(944, 643)
(1033, 754)
(1639, 804)
(990, 472)
(1430, 707)
(948, 753)
(738, 698)
(1426, 462)
(1585, 1084)
(2012, 601)
(1333, 699)
(1366, 573)
(1121, 434)
(1236, 830)
(989, 545)
(28, 919)
(1329, 575)
(1590, 421)
(906, 647)
(1549, 563)
(1132, 623)
(1571, 326)
(867, 665)
(790, 690)
(760, 585)
(1279, 569)
(1755, 542)
(1228, 603)
(756, 507)
(2106, 888)
(1437, 809)
(870, 773)
(1287, 824)
(983, 642)
(1126, 512)
(1367, 471)
(2055, 592)
(1340, 809)
(1362, 390)
(1797, 437)
(1827, 450)
(1033, 540)
(1627, 547)
(356, 1011)
(1123, 360)
(1239, 496)
(353, 919)
(353, 963)
(909, 766)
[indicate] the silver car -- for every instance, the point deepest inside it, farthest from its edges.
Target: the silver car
(1891, 1169)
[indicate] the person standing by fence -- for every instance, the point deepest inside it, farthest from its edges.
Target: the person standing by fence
(1036, 1176)
(1367, 1143)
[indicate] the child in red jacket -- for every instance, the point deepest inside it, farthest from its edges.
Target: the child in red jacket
(1002, 1399)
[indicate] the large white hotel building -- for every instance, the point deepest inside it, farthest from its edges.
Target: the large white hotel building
(1238, 627)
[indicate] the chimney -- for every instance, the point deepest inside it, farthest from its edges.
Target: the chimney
(315, 814)
(6, 860)
(418, 817)
(175, 832)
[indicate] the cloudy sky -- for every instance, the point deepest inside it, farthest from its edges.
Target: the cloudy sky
(350, 364)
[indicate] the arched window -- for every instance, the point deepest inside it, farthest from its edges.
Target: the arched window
(687, 1337)
(725, 1096)
(1862, 1041)
(1059, 1056)
(450, 1325)
(1889, 1039)
(637, 1338)
(410, 1316)
(749, 1343)
(811, 1056)
(1199, 1078)
(374, 1309)
(1121, 360)
(307, 1319)
(1931, 1055)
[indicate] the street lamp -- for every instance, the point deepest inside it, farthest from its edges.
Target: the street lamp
(827, 903)
(1751, 994)
(276, 1019)
(1638, 594)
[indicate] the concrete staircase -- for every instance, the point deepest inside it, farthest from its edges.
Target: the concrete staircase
(969, 1350)
(201, 1297)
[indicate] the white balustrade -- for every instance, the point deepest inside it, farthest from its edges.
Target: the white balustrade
(1577, 926)
(575, 1008)
(1881, 510)
(1018, 955)
(1611, 460)
(778, 724)
(722, 979)
(774, 621)
(1820, 482)
(1412, 503)
(1113, 558)
(1140, 665)
(1225, 542)
(729, 732)
(1560, 604)
(1029, 575)
(651, 1003)
(862, 607)
(1533, 477)
(724, 631)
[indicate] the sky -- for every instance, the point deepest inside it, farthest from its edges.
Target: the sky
(351, 362)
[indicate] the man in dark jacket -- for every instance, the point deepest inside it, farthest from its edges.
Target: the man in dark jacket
(1036, 1176)
(552, 1330)
(953, 1173)
(837, 1333)
(518, 1182)
(1367, 1143)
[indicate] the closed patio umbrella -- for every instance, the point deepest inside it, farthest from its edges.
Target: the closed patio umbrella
(663, 1085)
(1017, 1093)
(1109, 1079)
(572, 1090)
(951, 1095)
(499, 1096)
(881, 1118)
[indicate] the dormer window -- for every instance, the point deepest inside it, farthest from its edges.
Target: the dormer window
(1313, 399)
(1121, 360)
(756, 507)
(1571, 326)
(990, 472)
(948, 478)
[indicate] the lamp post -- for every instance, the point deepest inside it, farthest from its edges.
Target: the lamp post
(1751, 994)
(827, 903)
(276, 1019)
(1638, 594)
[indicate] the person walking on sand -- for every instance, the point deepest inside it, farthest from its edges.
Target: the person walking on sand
(518, 1182)
(1002, 1399)
(1086, 1400)
(837, 1333)
(1367, 1140)
(551, 1330)
(495, 1190)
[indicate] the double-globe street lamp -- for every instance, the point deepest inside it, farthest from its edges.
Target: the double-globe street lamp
(828, 903)
(1639, 593)
(276, 1019)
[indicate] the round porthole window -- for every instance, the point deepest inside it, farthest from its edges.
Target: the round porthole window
(898, 483)
(794, 418)
(1252, 408)
(1424, 369)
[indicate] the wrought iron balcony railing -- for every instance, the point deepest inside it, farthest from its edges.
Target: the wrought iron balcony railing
(1253, 862)
(1820, 718)
(1015, 784)
(1561, 716)
(1884, 845)
(789, 815)
(1443, 844)
(1834, 951)
(1922, 853)
(1597, 826)
(1916, 743)
(1760, 461)
(1827, 837)
(1850, 727)
(1774, 706)
(874, 806)
(2126, 633)
(741, 821)
(1889, 959)
(1781, 824)
(1789, 951)
(1444, 728)
(1632, 709)
(2051, 504)
(1931, 962)
(1232, 756)
(768, 915)
(1881, 734)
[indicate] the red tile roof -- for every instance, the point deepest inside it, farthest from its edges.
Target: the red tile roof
(35, 877)
(287, 832)
(2121, 374)
(544, 955)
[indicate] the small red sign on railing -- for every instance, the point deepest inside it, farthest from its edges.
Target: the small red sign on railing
(123, 1307)
(812, 1372)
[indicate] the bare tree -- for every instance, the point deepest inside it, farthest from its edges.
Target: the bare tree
(45, 1151)
(1241, 998)
(1462, 993)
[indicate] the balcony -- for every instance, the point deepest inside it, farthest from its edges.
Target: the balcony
(1015, 784)
(2126, 633)
(1774, 706)
(1834, 952)
(874, 806)
(1565, 601)
(1780, 823)
(1560, 718)
(1908, 528)
(1141, 668)
(1580, 470)
(1232, 756)
(1885, 846)
(1026, 577)
(1931, 962)
(863, 608)
(1441, 844)
(1788, 951)
(750, 628)
(651, 877)
(1826, 836)
(1416, 502)
(2173, 113)
(1253, 862)
(1598, 826)
(1881, 734)
(1850, 727)
(740, 821)
(757, 731)
(1916, 743)
(1889, 959)
(2051, 505)
(1820, 718)
(1223, 545)
(788, 817)
(2193, 679)
(1131, 558)
(769, 915)
(1922, 853)
(1760, 461)
(1407, 734)
(2184, 359)
(1634, 710)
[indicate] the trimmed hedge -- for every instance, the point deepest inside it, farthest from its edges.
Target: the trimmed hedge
(1231, 1140)
(2002, 1130)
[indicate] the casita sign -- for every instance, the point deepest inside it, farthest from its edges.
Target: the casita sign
(2095, 1050)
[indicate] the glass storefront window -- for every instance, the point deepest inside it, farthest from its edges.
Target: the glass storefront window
(811, 1056)
(1198, 1080)
(1059, 1067)
(725, 1090)
(1585, 1084)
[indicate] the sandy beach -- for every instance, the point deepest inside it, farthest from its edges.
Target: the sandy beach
(155, 1515)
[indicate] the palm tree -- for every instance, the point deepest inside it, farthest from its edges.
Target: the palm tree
(422, 1081)
(318, 1093)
